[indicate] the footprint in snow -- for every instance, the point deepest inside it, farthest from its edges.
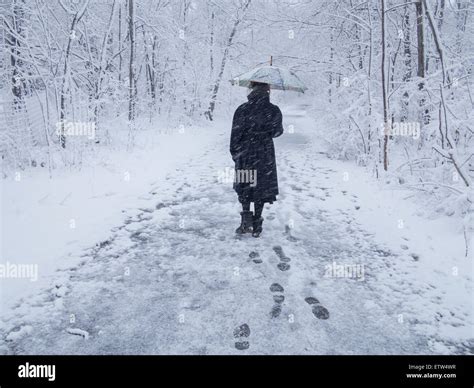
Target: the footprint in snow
(241, 333)
(275, 287)
(283, 266)
(275, 311)
(382, 252)
(284, 260)
(278, 299)
(319, 311)
(289, 237)
(281, 255)
(296, 188)
(255, 257)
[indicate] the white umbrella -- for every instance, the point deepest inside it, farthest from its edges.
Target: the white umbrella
(276, 77)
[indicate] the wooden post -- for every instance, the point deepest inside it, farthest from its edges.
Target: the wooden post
(271, 60)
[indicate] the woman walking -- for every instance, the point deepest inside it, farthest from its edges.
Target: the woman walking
(254, 126)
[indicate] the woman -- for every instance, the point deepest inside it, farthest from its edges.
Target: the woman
(255, 124)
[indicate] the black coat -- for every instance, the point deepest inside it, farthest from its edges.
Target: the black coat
(254, 126)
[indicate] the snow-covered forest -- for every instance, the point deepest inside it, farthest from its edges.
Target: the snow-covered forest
(111, 112)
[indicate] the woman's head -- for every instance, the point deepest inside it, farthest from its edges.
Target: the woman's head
(260, 87)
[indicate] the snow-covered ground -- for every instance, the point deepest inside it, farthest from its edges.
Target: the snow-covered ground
(46, 221)
(344, 265)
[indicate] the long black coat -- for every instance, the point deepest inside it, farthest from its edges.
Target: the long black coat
(254, 126)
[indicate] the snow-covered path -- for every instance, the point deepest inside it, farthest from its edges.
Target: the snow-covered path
(176, 280)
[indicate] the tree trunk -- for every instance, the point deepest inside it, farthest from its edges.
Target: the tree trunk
(215, 91)
(384, 92)
(437, 40)
(62, 104)
(420, 41)
(421, 70)
(120, 44)
(407, 61)
(331, 66)
(131, 69)
(17, 80)
(211, 45)
(369, 76)
(461, 20)
(102, 69)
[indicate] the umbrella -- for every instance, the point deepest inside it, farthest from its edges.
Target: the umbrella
(276, 77)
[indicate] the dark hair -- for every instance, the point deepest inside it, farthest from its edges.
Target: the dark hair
(260, 86)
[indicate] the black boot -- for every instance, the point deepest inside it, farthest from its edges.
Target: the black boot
(246, 223)
(257, 226)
